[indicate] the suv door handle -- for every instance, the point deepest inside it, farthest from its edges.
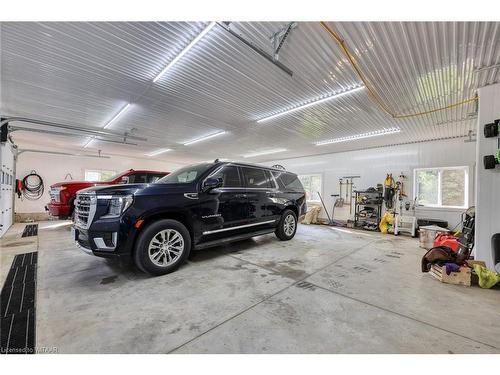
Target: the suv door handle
(240, 195)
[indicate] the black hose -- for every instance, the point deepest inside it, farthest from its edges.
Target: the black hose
(33, 187)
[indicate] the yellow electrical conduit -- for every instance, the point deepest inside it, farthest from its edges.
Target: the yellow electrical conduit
(341, 43)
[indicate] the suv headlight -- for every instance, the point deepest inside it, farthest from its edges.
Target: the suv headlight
(118, 204)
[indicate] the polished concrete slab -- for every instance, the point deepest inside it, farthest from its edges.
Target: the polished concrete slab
(328, 290)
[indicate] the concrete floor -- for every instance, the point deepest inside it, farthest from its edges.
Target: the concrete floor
(326, 291)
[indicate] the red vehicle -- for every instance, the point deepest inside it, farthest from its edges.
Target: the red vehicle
(63, 194)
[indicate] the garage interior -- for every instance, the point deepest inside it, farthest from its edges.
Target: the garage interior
(357, 110)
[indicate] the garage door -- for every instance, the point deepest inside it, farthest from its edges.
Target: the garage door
(7, 180)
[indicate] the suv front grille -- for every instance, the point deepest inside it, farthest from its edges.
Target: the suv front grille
(85, 206)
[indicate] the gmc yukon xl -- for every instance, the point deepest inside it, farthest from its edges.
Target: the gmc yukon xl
(195, 207)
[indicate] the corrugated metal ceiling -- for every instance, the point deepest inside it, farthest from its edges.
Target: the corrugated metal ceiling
(83, 73)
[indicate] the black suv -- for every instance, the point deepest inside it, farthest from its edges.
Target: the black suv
(194, 207)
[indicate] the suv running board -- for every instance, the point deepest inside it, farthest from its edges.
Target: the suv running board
(227, 240)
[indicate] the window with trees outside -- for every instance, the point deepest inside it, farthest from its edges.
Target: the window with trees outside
(98, 175)
(312, 185)
(442, 187)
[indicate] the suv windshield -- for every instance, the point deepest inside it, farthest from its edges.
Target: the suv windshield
(114, 177)
(184, 175)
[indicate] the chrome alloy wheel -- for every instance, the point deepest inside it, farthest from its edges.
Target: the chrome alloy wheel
(166, 247)
(289, 225)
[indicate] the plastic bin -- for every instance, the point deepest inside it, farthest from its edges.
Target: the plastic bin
(427, 235)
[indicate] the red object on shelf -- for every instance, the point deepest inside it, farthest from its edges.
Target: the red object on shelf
(448, 240)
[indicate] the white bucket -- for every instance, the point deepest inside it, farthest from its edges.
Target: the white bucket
(428, 234)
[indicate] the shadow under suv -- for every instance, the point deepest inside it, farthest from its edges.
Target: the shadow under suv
(195, 207)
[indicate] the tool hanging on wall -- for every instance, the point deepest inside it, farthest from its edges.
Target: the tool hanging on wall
(32, 186)
(389, 191)
(400, 187)
(341, 202)
(345, 190)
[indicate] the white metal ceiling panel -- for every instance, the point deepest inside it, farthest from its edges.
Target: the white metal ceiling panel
(84, 73)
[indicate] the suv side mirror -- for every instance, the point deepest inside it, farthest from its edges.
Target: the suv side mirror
(211, 183)
(124, 180)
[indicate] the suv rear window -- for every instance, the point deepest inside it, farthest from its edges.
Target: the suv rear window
(257, 178)
(289, 181)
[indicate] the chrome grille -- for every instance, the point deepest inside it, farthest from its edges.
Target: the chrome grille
(85, 206)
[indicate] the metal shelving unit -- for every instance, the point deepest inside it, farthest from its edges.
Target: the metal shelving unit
(374, 200)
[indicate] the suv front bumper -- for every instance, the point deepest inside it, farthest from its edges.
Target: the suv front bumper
(102, 244)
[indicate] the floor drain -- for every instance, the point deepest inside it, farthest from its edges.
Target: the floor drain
(17, 306)
(30, 230)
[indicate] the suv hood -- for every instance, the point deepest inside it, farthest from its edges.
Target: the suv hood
(115, 189)
(140, 189)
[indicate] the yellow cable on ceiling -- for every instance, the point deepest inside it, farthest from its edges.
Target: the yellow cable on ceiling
(341, 43)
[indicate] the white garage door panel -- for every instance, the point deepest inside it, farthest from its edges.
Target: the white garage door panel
(7, 180)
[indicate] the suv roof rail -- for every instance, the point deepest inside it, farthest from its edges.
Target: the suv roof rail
(278, 166)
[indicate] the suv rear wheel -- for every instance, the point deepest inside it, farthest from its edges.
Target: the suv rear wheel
(162, 247)
(287, 226)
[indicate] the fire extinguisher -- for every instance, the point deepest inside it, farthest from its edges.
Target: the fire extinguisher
(19, 187)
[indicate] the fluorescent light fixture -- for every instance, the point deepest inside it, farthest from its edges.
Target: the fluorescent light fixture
(268, 152)
(204, 138)
(115, 117)
(185, 50)
(310, 103)
(158, 152)
(88, 142)
(374, 133)
(125, 107)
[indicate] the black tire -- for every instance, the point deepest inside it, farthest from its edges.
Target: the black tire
(142, 257)
(281, 231)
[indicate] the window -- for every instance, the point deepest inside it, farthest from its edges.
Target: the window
(288, 181)
(257, 178)
(137, 178)
(185, 175)
(229, 176)
(312, 185)
(154, 177)
(98, 175)
(442, 187)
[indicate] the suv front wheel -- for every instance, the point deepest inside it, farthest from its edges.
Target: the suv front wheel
(162, 247)
(287, 226)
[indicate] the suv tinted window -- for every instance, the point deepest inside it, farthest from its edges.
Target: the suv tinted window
(138, 178)
(154, 177)
(257, 178)
(289, 181)
(185, 175)
(230, 176)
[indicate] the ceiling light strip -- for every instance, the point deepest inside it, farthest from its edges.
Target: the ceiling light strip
(204, 138)
(121, 112)
(268, 152)
(185, 50)
(158, 152)
(115, 117)
(312, 102)
(348, 138)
